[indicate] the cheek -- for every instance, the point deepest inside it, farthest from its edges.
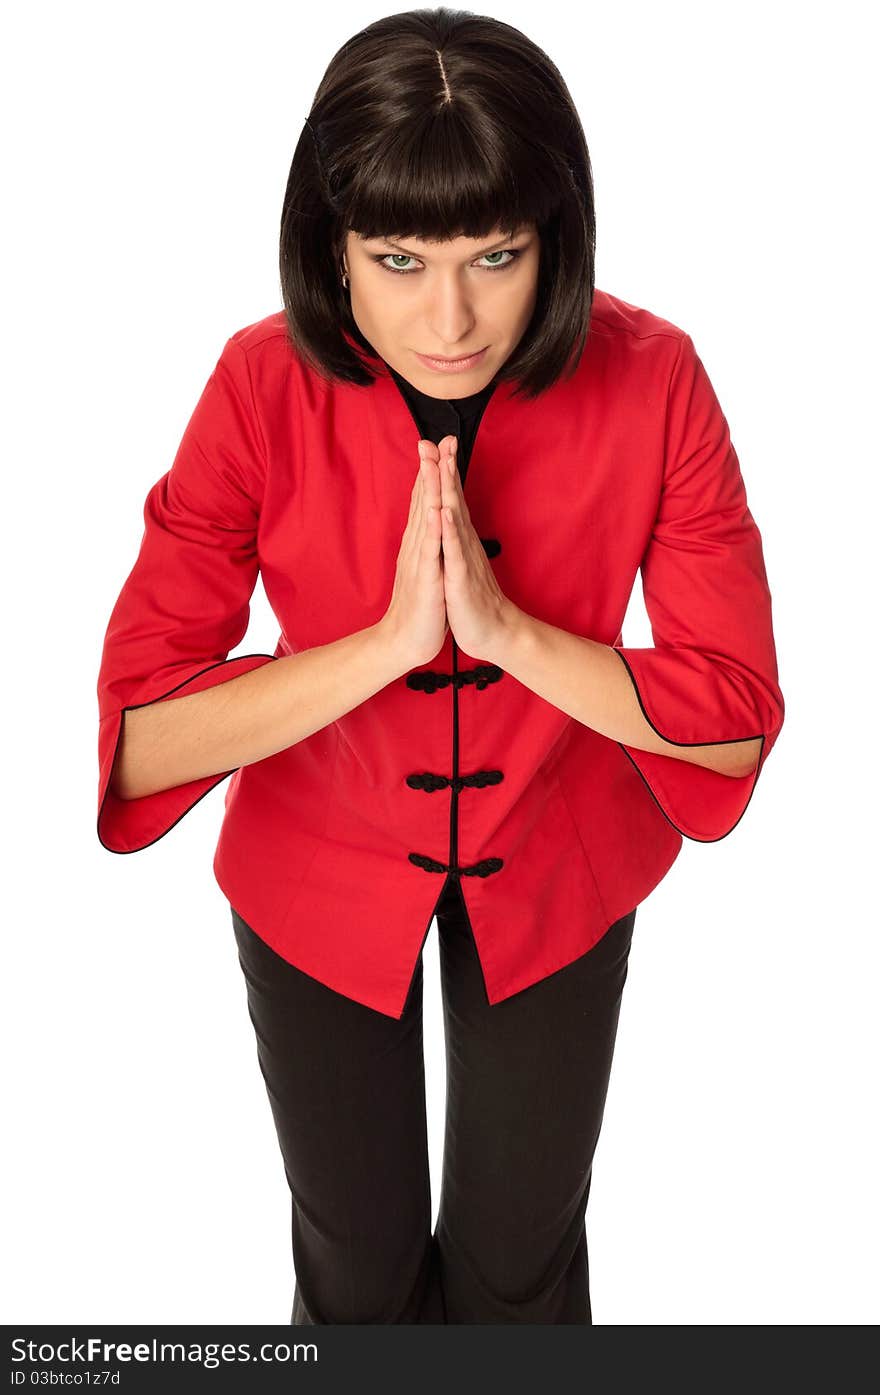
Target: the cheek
(375, 308)
(528, 301)
(518, 310)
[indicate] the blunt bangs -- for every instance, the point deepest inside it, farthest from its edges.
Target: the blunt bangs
(441, 182)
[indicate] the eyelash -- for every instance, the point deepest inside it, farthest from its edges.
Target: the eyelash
(398, 271)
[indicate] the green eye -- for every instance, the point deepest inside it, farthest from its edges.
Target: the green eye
(384, 258)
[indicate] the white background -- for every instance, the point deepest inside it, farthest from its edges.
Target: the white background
(147, 151)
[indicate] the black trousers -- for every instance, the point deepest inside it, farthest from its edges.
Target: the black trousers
(526, 1086)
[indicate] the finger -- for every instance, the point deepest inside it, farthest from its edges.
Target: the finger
(450, 484)
(433, 530)
(428, 451)
(431, 481)
(429, 498)
(453, 493)
(449, 469)
(452, 548)
(416, 496)
(423, 499)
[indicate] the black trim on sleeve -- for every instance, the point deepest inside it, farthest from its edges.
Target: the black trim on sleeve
(762, 736)
(131, 707)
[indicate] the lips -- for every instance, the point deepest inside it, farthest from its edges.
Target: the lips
(453, 365)
(459, 358)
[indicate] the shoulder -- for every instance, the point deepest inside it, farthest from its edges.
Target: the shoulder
(630, 340)
(262, 344)
(270, 331)
(264, 359)
(619, 319)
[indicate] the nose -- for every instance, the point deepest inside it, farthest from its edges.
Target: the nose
(450, 315)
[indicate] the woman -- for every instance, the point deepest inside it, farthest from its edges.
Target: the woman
(450, 724)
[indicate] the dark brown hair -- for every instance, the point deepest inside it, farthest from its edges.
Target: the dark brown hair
(438, 124)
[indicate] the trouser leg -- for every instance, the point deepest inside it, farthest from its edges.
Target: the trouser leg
(346, 1087)
(526, 1086)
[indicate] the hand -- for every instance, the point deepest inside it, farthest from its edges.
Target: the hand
(416, 615)
(477, 608)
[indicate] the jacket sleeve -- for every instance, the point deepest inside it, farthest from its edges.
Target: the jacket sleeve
(712, 675)
(186, 601)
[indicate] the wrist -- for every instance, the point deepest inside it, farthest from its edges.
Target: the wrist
(513, 633)
(395, 659)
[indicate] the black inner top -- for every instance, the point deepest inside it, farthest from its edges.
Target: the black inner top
(437, 417)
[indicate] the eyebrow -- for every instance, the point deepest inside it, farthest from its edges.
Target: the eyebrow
(406, 251)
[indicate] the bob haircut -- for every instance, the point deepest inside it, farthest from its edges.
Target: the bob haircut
(438, 124)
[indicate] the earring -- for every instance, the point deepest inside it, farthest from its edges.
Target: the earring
(345, 279)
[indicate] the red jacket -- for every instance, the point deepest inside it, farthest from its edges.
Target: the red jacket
(326, 849)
